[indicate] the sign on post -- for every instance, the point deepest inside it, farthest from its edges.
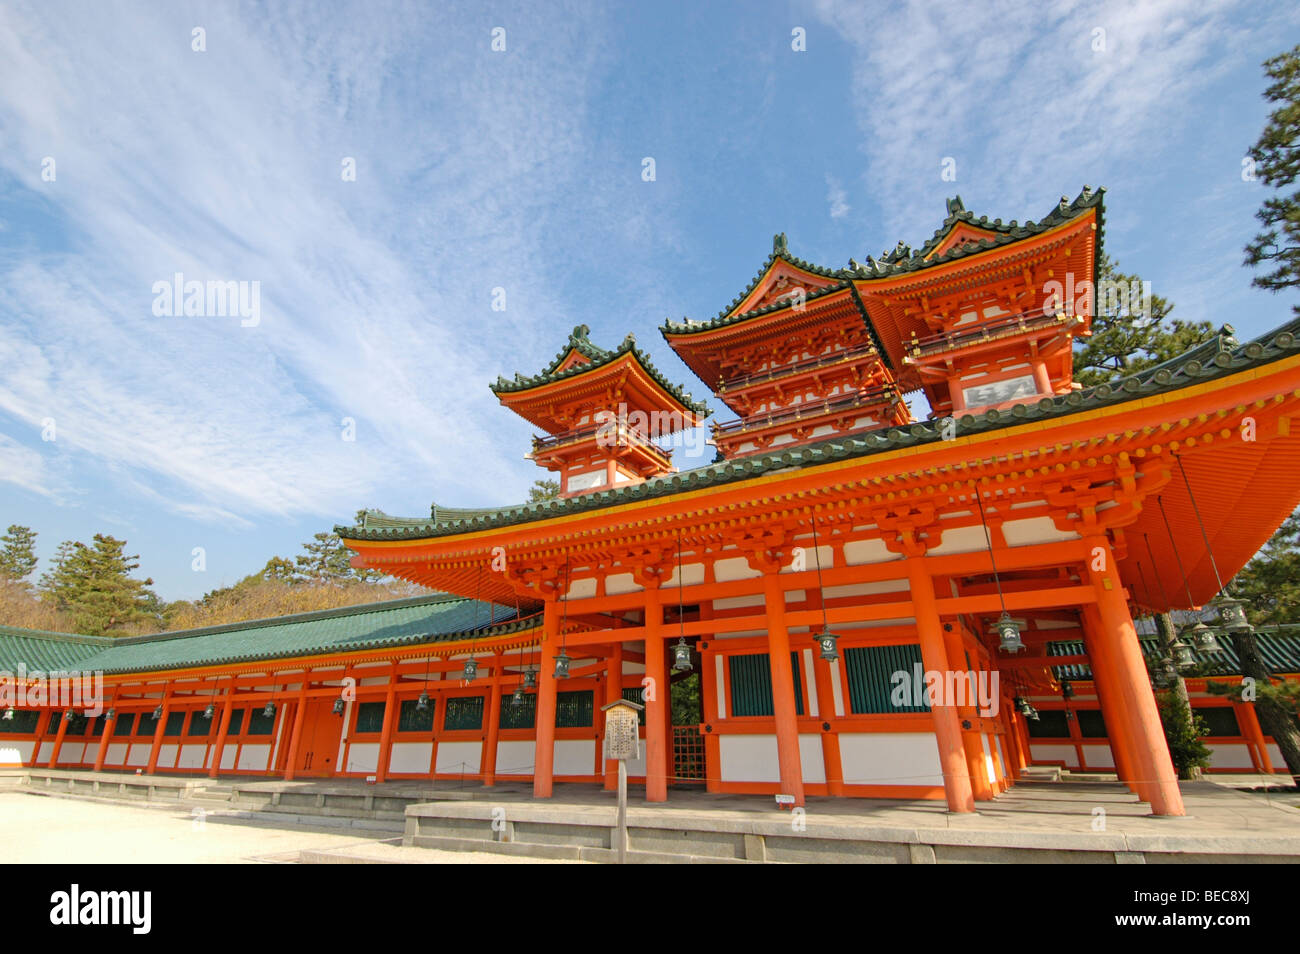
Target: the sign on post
(622, 742)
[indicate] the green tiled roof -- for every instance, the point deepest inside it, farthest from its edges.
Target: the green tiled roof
(408, 622)
(597, 357)
(1280, 651)
(46, 651)
(903, 258)
(1219, 357)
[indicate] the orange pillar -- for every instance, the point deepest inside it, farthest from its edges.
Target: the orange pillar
(1118, 637)
(981, 784)
(783, 701)
(296, 735)
(613, 693)
(386, 736)
(158, 734)
(489, 764)
(824, 675)
(1106, 681)
(226, 710)
(947, 727)
(544, 758)
(58, 738)
(1248, 719)
(102, 754)
(656, 720)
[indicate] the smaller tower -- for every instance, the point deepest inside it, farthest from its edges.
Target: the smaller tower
(602, 411)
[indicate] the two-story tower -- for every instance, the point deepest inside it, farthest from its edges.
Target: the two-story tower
(602, 411)
(795, 358)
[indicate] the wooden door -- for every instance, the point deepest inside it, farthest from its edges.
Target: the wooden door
(319, 747)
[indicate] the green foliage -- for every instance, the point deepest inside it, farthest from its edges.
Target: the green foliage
(93, 584)
(17, 553)
(543, 490)
(1183, 732)
(686, 701)
(1124, 343)
(1270, 582)
(1277, 163)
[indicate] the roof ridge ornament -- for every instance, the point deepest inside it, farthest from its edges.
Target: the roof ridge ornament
(579, 335)
(955, 205)
(780, 246)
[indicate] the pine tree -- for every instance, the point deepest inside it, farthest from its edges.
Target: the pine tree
(1125, 340)
(543, 490)
(1276, 158)
(94, 585)
(17, 553)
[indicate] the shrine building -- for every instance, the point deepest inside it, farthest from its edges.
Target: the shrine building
(840, 555)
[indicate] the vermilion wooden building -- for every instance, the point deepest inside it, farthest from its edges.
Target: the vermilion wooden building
(829, 512)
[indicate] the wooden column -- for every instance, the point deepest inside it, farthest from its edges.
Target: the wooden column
(488, 764)
(824, 677)
(223, 731)
(613, 693)
(981, 784)
(783, 701)
(1111, 700)
(1251, 729)
(102, 754)
(947, 728)
(290, 768)
(159, 732)
(1118, 637)
(390, 718)
(656, 735)
(58, 738)
(544, 756)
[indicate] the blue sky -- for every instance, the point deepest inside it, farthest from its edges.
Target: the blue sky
(522, 170)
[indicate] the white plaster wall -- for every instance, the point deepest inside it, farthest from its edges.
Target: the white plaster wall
(410, 757)
(228, 757)
(753, 758)
(16, 753)
(1099, 756)
(866, 589)
(890, 758)
(363, 757)
(46, 749)
(1054, 753)
(574, 757)
(961, 540)
(451, 755)
(116, 753)
(1227, 755)
(734, 568)
(252, 758)
(1034, 530)
(516, 757)
(1275, 756)
(193, 756)
(72, 752)
(166, 755)
(867, 551)
(620, 583)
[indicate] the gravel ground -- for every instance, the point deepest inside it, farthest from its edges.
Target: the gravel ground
(36, 829)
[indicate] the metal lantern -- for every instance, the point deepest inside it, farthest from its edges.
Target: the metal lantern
(1022, 705)
(10, 713)
(210, 711)
(1203, 639)
(110, 715)
(682, 656)
(1165, 675)
(1067, 690)
(1008, 631)
(337, 708)
(422, 703)
(1032, 714)
(518, 698)
(1184, 658)
(269, 711)
(828, 642)
(471, 669)
(1232, 613)
(530, 679)
(562, 665)
(157, 713)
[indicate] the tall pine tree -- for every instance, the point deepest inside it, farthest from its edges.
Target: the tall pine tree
(17, 553)
(1276, 158)
(94, 585)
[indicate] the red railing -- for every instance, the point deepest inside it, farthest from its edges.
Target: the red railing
(611, 435)
(867, 398)
(821, 361)
(1025, 321)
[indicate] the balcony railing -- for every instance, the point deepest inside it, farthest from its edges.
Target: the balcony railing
(1001, 326)
(607, 435)
(807, 364)
(872, 397)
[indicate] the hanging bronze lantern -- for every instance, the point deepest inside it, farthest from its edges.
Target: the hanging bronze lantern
(562, 665)
(1008, 631)
(209, 711)
(11, 712)
(518, 698)
(828, 642)
(1203, 639)
(1067, 690)
(422, 703)
(530, 679)
(110, 715)
(337, 709)
(1164, 675)
(269, 711)
(1232, 613)
(1032, 714)
(471, 669)
(682, 656)
(1184, 658)
(157, 713)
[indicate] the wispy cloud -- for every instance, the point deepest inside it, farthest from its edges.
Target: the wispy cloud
(227, 165)
(836, 198)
